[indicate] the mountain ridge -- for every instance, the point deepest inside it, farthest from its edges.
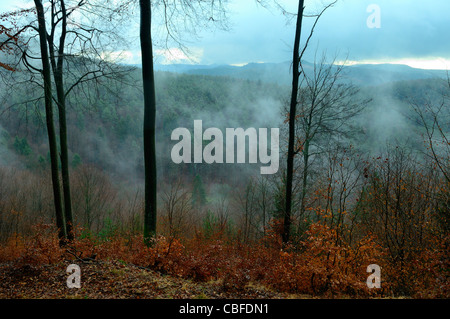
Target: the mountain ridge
(280, 73)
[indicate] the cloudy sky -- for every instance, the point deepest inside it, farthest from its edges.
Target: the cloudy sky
(410, 32)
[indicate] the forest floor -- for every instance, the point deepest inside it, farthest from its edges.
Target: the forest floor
(116, 280)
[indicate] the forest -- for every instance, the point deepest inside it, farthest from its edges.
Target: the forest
(363, 174)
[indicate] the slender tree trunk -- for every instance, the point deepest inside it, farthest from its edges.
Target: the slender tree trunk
(292, 113)
(149, 120)
(57, 65)
(65, 162)
(304, 181)
(60, 223)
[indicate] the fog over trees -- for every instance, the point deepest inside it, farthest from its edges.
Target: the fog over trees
(87, 146)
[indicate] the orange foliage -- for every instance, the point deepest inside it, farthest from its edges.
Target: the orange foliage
(41, 248)
(320, 265)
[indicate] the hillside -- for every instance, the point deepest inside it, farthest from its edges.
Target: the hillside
(107, 131)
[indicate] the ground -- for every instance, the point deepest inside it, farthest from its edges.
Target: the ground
(114, 279)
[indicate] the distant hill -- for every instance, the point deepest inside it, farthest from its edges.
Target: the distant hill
(280, 73)
(106, 128)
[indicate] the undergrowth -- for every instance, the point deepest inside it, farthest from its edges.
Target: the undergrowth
(319, 265)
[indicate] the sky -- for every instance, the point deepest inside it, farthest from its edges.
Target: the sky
(410, 32)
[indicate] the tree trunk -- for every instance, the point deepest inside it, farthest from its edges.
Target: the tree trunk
(292, 113)
(49, 121)
(65, 162)
(149, 120)
(304, 181)
(57, 65)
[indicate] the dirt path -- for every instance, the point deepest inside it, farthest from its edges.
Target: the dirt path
(113, 280)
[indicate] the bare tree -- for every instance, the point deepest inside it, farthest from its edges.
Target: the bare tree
(338, 191)
(326, 108)
(148, 78)
(397, 206)
(175, 13)
(56, 61)
(296, 73)
(248, 204)
(94, 196)
(177, 209)
(46, 75)
(255, 205)
(74, 55)
(292, 113)
(433, 117)
(265, 202)
(435, 120)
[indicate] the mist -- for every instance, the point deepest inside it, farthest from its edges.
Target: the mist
(294, 196)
